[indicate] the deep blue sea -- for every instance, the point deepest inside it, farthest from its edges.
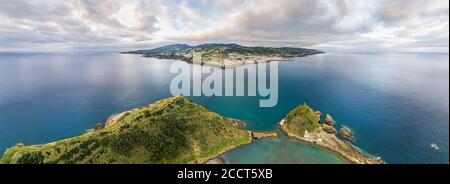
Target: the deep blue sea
(396, 104)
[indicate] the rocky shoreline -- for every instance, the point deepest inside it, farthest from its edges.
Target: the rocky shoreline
(331, 142)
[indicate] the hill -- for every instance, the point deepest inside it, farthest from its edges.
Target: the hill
(173, 130)
(303, 123)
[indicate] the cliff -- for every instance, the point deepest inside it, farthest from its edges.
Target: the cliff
(303, 124)
(173, 130)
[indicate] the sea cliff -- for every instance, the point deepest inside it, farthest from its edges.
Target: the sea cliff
(303, 123)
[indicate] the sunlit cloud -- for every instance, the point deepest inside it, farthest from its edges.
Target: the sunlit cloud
(335, 25)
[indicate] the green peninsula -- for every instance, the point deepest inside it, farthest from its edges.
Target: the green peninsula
(173, 130)
(225, 55)
(303, 123)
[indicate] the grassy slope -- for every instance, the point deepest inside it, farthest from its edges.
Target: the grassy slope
(302, 118)
(173, 130)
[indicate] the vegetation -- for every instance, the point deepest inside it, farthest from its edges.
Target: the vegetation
(302, 118)
(217, 54)
(173, 130)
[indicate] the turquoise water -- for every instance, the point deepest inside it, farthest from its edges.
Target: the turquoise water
(281, 151)
(396, 104)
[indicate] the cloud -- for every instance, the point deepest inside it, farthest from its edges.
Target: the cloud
(394, 25)
(33, 24)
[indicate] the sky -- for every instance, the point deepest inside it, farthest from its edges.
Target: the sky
(330, 25)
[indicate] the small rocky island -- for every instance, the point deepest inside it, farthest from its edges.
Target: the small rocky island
(225, 55)
(347, 133)
(173, 130)
(303, 123)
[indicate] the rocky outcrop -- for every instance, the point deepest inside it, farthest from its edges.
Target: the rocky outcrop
(329, 129)
(329, 120)
(333, 143)
(239, 124)
(298, 125)
(98, 126)
(347, 133)
(319, 114)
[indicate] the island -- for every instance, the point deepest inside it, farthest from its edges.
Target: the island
(172, 130)
(303, 123)
(177, 130)
(225, 55)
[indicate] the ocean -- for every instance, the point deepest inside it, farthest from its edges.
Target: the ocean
(397, 105)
